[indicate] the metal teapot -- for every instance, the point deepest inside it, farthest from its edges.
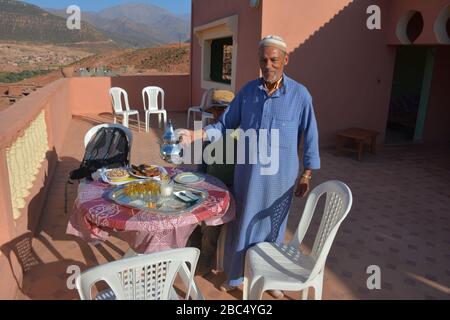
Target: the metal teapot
(170, 150)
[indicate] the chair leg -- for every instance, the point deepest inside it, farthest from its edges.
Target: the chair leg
(305, 294)
(256, 289)
(165, 119)
(203, 121)
(146, 122)
(159, 120)
(220, 249)
(192, 291)
(125, 120)
(318, 292)
(115, 120)
(245, 288)
(318, 285)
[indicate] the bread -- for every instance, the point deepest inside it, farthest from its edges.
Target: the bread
(117, 174)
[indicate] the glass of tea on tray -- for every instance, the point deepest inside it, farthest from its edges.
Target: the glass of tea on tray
(166, 186)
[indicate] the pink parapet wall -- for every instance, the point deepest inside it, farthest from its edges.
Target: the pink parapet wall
(54, 99)
(91, 95)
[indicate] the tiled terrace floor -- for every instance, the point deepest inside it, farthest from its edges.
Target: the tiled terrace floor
(400, 221)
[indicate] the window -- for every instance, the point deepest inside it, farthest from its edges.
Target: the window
(221, 60)
(219, 45)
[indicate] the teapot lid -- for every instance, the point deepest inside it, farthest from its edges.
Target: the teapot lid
(169, 134)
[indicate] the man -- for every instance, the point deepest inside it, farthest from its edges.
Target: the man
(262, 201)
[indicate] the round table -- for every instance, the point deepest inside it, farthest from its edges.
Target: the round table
(94, 216)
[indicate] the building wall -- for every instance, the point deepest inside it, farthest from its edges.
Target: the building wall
(249, 33)
(429, 9)
(346, 67)
(91, 95)
(437, 121)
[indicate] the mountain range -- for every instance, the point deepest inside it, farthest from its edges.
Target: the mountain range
(21, 21)
(137, 25)
(128, 25)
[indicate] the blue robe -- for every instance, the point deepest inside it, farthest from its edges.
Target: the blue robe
(263, 201)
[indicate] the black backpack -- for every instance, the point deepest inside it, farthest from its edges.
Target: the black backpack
(107, 148)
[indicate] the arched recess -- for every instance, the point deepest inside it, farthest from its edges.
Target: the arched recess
(409, 27)
(442, 26)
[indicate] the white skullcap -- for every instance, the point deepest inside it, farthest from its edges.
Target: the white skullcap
(273, 41)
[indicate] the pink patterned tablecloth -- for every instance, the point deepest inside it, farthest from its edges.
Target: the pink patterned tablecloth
(94, 217)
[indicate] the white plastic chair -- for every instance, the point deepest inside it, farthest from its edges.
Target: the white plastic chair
(184, 273)
(152, 107)
(143, 277)
(116, 94)
(275, 266)
(206, 100)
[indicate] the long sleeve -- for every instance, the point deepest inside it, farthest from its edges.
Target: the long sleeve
(308, 126)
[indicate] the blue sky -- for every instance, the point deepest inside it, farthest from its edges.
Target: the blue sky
(175, 6)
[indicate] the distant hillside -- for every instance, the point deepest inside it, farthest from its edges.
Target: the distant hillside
(138, 25)
(165, 59)
(21, 21)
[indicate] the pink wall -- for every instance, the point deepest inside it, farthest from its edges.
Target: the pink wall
(249, 33)
(90, 95)
(429, 9)
(300, 18)
(176, 89)
(54, 99)
(346, 67)
(437, 121)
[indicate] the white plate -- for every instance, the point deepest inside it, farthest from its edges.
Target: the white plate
(188, 178)
(105, 178)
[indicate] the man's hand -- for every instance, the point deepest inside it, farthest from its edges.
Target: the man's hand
(188, 136)
(302, 188)
(185, 135)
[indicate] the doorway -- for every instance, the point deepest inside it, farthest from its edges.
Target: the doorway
(409, 95)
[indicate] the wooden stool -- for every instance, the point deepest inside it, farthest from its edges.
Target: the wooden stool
(359, 137)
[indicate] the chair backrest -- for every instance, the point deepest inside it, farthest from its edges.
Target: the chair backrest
(337, 205)
(206, 99)
(144, 277)
(93, 130)
(152, 94)
(116, 94)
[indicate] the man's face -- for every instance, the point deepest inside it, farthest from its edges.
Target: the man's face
(272, 61)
